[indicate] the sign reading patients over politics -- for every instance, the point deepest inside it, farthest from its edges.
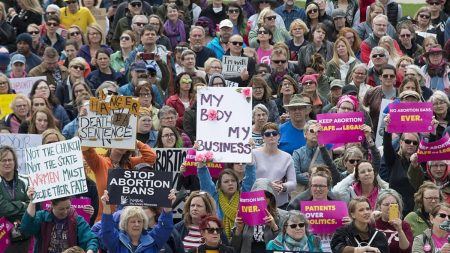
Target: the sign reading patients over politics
(324, 216)
(233, 65)
(341, 127)
(224, 123)
(24, 85)
(410, 117)
(434, 151)
(56, 170)
(110, 123)
(20, 142)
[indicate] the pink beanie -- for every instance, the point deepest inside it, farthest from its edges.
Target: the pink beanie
(312, 77)
(348, 98)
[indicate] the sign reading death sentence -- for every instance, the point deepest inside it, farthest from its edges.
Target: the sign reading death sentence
(434, 151)
(5, 229)
(233, 65)
(410, 117)
(139, 188)
(341, 127)
(20, 142)
(78, 204)
(191, 167)
(324, 216)
(24, 85)
(56, 170)
(110, 122)
(224, 123)
(252, 207)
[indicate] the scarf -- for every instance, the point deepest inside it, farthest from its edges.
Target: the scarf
(229, 209)
(46, 228)
(278, 77)
(437, 69)
(286, 242)
(357, 187)
(176, 33)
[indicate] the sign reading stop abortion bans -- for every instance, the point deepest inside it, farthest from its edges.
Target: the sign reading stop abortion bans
(224, 123)
(434, 151)
(341, 127)
(252, 207)
(139, 187)
(410, 117)
(20, 142)
(324, 216)
(56, 170)
(110, 123)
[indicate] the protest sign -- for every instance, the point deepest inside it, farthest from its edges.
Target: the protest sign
(224, 123)
(410, 117)
(20, 142)
(324, 216)
(78, 204)
(191, 167)
(229, 83)
(233, 65)
(5, 101)
(5, 229)
(169, 159)
(341, 127)
(380, 129)
(434, 151)
(139, 188)
(252, 207)
(110, 123)
(24, 85)
(56, 170)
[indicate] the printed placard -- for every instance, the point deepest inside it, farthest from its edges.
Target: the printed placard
(139, 188)
(110, 123)
(233, 65)
(410, 117)
(252, 207)
(191, 167)
(78, 204)
(56, 170)
(324, 216)
(24, 85)
(224, 123)
(341, 127)
(5, 101)
(5, 229)
(434, 151)
(20, 142)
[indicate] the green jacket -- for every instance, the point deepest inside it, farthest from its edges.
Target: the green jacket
(418, 225)
(122, 25)
(13, 208)
(333, 71)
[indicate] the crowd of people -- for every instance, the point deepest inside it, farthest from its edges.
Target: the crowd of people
(329, 56)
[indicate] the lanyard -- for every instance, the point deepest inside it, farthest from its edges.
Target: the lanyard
(11, 190)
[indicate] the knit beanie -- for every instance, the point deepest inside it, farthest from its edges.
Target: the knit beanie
(26, 38)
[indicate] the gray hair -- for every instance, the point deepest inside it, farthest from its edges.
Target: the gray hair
(132, 212)
(439, 95)
(418, 71)
(167, 110)
(260, 107)
(387, 193)
(379, 50)
(139, 16)
(199, 28)
(296, 216)
(106, 84)
(360, 66)
(381, 16)
(55, 8)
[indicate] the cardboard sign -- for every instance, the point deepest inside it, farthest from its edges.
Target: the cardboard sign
(169, 159)
(110, 123)
(229, 83)
(5, 229)
(20, 142)
(410, 117)
(56, 170)
(24, 85)
(233, 65)
(434, 151)
(252, 207)
(78, 204)
(191, 167)
(324, 216)
(341, 127)
(139, 188)
(5, 101)
(224, 123)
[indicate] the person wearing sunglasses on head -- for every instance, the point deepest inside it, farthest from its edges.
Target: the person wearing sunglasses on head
(183, 97)
(267, 18)
(73, 14)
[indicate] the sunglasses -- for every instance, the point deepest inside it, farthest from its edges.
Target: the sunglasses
(271, 133)
(279, 61)
(186, 80)
(424, 16)
(214, 230)
(388, 76)
(378, 55)
(77, 67)
(443, 215)
(312, 11)
(236, 43)
(409, 142)
(299, 225)
(34, 32)
(74, 33)
(110, 92)
(233, 10)
(126, 38)
(140, 24)
(136, 5)
(405, 35)
(308, 83)
(263, 32)
(353, 161)
(312, 131)
(52, 24)
(271, 17)
(434, 3)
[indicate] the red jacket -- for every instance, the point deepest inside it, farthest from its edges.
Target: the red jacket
(175, 102)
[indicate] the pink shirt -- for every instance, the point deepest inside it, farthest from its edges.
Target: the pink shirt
(264, 55)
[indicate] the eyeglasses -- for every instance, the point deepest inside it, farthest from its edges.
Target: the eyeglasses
(236, 43)
(271, 133)
(34, 32)
(216, 67)
(279, 61)
(125, 38)
(271, 18)
(353, 161)
(378, 55)
(308, 83)
(74, 33)
(77, 67)
(388, 76)
(443, 215)
(140, 24)
(168, 118)
(110, 92)
(214, 230)
(434, 3)
(388, 204)
(233, 10)
(263, 32)
(52, 24)
(134, 5)
(4, 161)
(320, 186)
(359, 73)
(432, 198)
(262, 72)
(441, 165)
(171, 135)
(143, 95)
(405, 35)
(312, 11)
(424, 16)
(294, 226)
(4, 83)
(411, 142)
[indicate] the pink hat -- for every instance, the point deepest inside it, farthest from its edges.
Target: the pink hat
(312, 77)
(348, 98)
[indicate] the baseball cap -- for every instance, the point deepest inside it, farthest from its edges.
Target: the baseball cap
(138, 66)
(225, 23)
(337, 83)
(338, 13)
(18, 58)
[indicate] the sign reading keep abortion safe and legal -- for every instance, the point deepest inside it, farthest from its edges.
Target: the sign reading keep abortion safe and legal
(340, 127)
(434, 151)
(410, 117)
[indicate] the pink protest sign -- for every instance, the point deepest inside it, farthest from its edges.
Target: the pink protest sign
(324, 216)
(410, 117)
(5, 228)
(191, 167)
(434, 151)
(78, 204)
(252, 207)
(341, 127)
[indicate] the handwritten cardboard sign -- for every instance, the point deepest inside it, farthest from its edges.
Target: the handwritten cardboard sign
(341, 127)
(224, 123)
(191, 167)
(5, 229)
(20, 142)
(410, 117)
(434, 151)
(110, 122)
(56, 170)
(169, 159)
(24, 85)
(252, 207)
(139, 188)
(233, 65)
(78, 204)
(324, 216)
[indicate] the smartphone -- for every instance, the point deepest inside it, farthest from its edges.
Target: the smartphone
(148, 56)
(393, 212)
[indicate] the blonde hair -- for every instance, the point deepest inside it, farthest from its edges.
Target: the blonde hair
(132, 212)
(298, 22)
(20, 97)
(97, 28)
(77, 61)
(3, 11)
(336, 58)
(209, 62)
(33, 5)
(207, 199)
(263, 14)
(391, 50)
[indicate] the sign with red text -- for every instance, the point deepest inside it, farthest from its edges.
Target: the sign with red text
(5, 229)
(56, 170)
(252, 207)
(224, 123)
(24, 85)
(78, 204)
(340, 127)
(191, 165)
(434, 151)
(324, 216)
(410, 117)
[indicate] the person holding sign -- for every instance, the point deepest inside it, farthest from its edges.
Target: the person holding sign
(57, 228)
(211, 228)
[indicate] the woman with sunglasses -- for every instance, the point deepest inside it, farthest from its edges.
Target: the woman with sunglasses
(77, 67)
(75, 33)
(359, 236)
(265, 45)
(434, 239)
(236, 16)
(211, 228)
(104, 71)
(267, 18)
(127, 44)
(51, 37)
(31, 12)
(38, 46)
(182, 98)
(423, 27)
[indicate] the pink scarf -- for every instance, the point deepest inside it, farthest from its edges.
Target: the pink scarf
(372, 196)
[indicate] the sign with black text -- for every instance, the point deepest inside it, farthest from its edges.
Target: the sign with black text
(233, 65)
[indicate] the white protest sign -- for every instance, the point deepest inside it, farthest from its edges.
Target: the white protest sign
(380, 128)
(233, 65)
(110, 123)
(229, 83)
(20, 142)
(224, 123)
(23, 85)
(56, 170)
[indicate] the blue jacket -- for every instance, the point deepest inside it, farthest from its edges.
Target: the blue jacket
(128, 90)
(214, 44)
(207, 184)
(60, 113)
(119, 242)
(70, 129)
(96, 78)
